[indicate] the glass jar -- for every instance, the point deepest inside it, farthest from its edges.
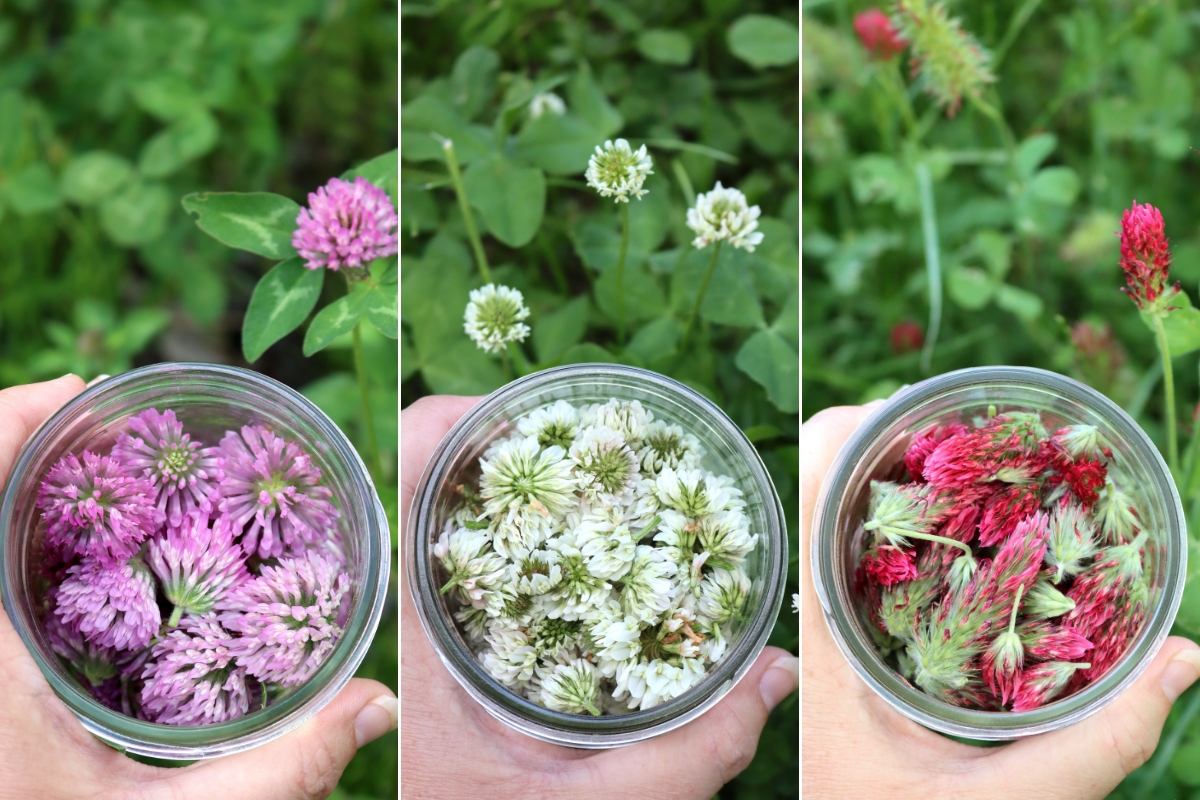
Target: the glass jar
(878, 445)
(727, 452)
(210, 399)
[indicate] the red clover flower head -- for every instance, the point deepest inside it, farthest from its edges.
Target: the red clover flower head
(196, 563)
(91, 506)
(111, 605)
(271, 493)
(181, 471)
(288, 619)
(877, 34)
(1146, 257)
(192, 678)
(94, 662)
(347, 224)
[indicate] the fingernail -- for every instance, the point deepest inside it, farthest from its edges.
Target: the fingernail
(68, 375)
(1181, 672)
(379, 717)
(97, 379)
(780, 680)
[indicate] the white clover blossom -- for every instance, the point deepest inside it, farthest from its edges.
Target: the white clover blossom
(605, 466)
(494, 317)
(722, 215)
(596, 564)
(616, 170)
(546, 102)
(721, 595)
(573, 687)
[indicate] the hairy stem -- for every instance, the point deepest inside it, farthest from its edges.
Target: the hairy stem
(1164, 350)
(465, 207)
(176, 615)
(360, 366)
(929, 537)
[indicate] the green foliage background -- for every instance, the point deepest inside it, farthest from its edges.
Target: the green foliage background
(1100, 97)
(110, 112)
(713, 95)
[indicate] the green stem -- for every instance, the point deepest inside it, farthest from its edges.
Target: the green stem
(1164, 350)
(176, 615)
(360, 366)
(695, 312)
(1012, 620)
(933, 263)
(1190, 468)
(621, 273)
(508, 370)
(929, 537)
(1015, 26)
(1167, 747)
(465, 207)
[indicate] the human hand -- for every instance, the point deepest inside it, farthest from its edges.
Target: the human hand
(856, 745)
(46, 753)
(452, 748)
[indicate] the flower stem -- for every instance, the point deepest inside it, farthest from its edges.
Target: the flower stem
(708, 273)
(360, 367)
(1012, 620)
(621, 273)
(1164, 350)
(1190, 468)
(176, 615)
(508, 370)
(929, 537)
(465, 207)
(933, 263)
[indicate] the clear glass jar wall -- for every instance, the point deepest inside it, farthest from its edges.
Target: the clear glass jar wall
(210, 399)
(873, 452)
(728, 452)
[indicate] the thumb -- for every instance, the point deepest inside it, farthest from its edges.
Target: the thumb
(702, 756)
(1090, 758)
(304, 765)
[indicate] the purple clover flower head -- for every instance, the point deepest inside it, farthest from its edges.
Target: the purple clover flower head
(196, 563)
(95, 663)
(346, 225)
(289, 618)
(92, 507)
(192, 678)
(271, 493)
(181, 471)
(111, 605)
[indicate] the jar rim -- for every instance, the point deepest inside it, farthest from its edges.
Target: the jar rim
(864, 659)
(531, 718)
(209, 741)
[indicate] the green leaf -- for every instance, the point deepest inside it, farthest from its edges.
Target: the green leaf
(970, 288)
(1185, 764)
(1024, 304)
(463, 369)
(383, 309)
(33, 190)
(599, 246)
(731, 298)
(556, 332)
(258, 222)
(473, 79)
(282, 300)
(591, 104)
(588, 353)
(643, 297)
(1188, 618)
(656, 339)
(561, 145)
(336, 319)
(1058, 186)
(167, 97)
(136, 214)
(762, 41)
(1182, 326)
(773, 363)
(995, 250)
(383, 171)
(1032, 152)
(428, 114)
(89, 178)
(665, 46)
(511, 198)
(181, 143)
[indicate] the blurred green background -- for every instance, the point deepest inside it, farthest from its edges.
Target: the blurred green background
(711, 88)
(1100, 99)
(110, 112)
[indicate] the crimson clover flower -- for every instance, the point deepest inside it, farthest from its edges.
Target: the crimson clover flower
(888, 565)
(93, 507)
(1112, 640)
(271, 493)
(1145, 258)
(196, 563)
(1005, 509)
(1002, 661)
(288, 619)
(1045, 641)
(1098, 592)
(1007, 448)
(1043, 682)
(877, 34)
(347, 224)
(925, 443)
(192, 677)
(111, 605)
(181, 470)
